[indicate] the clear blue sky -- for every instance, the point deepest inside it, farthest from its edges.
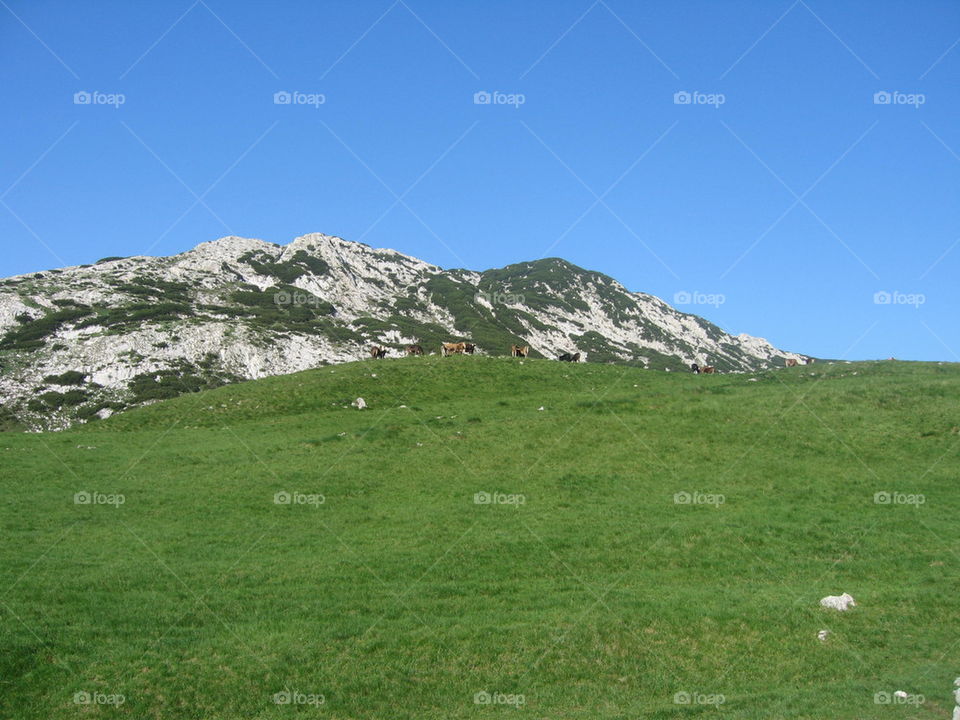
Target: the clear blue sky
(796, 199)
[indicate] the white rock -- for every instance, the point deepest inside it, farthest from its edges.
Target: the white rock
(823, 635)
(838, 602)
(359, 403)
(900, 694)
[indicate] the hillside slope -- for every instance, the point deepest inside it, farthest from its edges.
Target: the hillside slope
(593, 541)
(86, 341)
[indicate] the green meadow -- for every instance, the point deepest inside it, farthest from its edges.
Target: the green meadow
(492, 538)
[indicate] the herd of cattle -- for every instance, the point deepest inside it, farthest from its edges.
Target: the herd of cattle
(466, 348)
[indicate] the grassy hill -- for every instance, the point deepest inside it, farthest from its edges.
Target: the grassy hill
(590, 588)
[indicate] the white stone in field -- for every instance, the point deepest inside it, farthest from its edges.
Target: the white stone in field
(956, 697)
(823, 635)
(900, 694)
(838, 602)
(359, 403)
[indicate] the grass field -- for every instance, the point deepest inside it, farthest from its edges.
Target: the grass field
(586, 588)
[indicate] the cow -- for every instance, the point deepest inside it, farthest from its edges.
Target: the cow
(468, 348)
(519, 351)
(452, 348)
(567, 357)
(791, 362)
(809, 361)
(377, 353)
(695, 369)
(708, 370)
(414, 350)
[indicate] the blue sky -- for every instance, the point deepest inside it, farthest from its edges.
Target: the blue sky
(780, 200)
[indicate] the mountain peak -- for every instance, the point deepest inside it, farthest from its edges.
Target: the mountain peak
(144, 328)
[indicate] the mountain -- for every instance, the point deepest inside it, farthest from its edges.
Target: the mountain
(82, 342)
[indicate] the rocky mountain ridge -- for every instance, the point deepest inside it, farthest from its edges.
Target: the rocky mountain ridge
(82, 342)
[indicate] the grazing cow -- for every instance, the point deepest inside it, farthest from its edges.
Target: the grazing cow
(414, 350)
(791, 362)
(519, 351)
(452, 348)
(468, 348)
(377, 353)
(695, 368)
(567, 357)
(809, 361)
(708, 370)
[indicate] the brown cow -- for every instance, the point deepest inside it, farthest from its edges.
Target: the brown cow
(519, 351)
(708, 370)
(414, 350)
(377, 352)
(791, 362)
(452, 348)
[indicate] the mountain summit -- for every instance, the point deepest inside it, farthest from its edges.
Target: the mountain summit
(82, 342)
